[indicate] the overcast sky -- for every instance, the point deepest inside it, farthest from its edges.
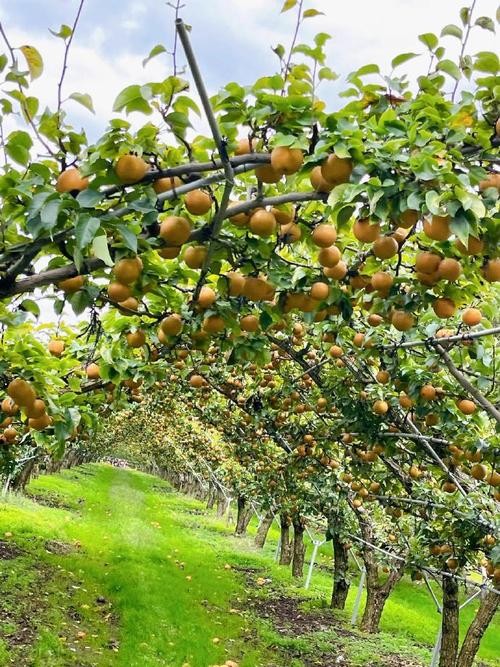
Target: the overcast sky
(232, 40)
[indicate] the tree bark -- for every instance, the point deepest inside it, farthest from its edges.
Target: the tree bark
(477, 628)
(212, 497)
(299, 548)
(285, 544)
(263, 530)
(222, 504)
(21, 480)
(244, 516)
(341, 581)
(449, 623)
(376, 592)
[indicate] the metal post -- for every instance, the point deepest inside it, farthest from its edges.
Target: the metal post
(276, 555)
(6, 486)
(316, 546)
(228, 511)
(357, 601)
(436, 650)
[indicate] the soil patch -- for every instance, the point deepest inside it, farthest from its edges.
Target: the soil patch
(291, 620)
(9, 550)
(60, 548)
(50, 500)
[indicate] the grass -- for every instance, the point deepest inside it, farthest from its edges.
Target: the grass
(122, 571)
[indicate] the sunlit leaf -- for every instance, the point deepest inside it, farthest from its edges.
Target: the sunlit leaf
(33, 60)
(155, 51)
(84, 99)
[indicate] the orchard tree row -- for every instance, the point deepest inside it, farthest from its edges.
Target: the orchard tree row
(317, 286)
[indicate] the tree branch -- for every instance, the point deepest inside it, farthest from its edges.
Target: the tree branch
(464, 382)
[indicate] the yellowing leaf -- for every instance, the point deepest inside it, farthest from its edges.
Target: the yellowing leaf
(33, 60)
(289, 4)
(311, 12)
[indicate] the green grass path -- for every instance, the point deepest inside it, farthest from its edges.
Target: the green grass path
(125, 572)
(138, 556)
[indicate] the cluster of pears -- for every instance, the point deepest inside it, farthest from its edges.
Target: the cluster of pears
(22, 394)
(126, 272)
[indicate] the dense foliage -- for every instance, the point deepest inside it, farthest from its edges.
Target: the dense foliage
(318, 286)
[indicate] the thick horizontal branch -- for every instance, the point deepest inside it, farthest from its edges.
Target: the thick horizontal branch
(468, 335)
(191, 168)
(51, 276)
(201, 234)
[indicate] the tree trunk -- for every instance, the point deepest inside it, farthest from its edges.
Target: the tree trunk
(376, 592)
(285, 544)
(263, 530)
(477, 628)
(340, 573)
(449, 623)
(212, 497)
(299, 548)
(245, 514)
(222, 504)
(376, 598)
(21, 480)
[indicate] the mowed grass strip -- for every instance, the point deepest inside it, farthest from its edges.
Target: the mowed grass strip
(171, 599)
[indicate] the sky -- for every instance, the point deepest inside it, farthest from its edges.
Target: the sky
(232, 40)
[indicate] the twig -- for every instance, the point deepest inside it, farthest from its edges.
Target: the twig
(61, 80)
(464, 43)
(292, 46)
(24, 108)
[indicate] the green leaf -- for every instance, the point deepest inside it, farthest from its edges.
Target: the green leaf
(368, 69)
(341, 150)
(132, 98)
(321, 38)
(487, 61)
(328, 74)
(465, 15)
(85, 230)
(288, 4)
(64, 32)
(460, 227)
(450, 68)
(79, 301)
(265, 320)
(129, 238)
(279, 50)
(403, 58)
(429, 39)
(100, 249)
(89, 198)
(486, 23)
(432, 200)
(312, 12)
(155, 51)
(452, 30)
(18, 146)
(58, 306)
(33, 60)
(49, 213)
(30, 306)
(84, 99)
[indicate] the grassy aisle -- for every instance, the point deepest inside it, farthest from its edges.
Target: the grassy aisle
(109, 567)
(158, 596)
